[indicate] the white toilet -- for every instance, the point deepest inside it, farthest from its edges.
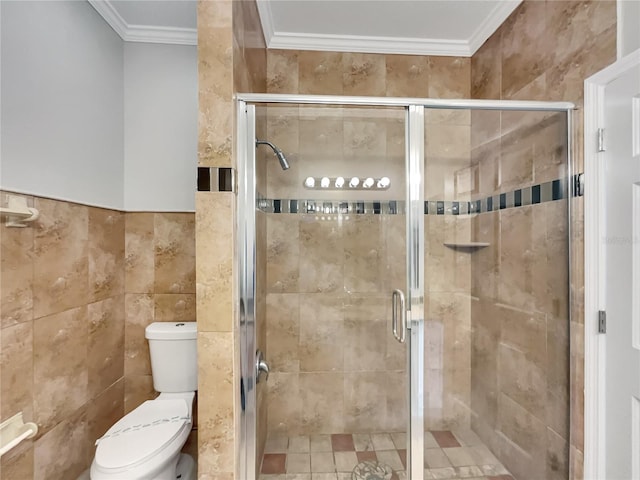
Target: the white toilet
(145, 444)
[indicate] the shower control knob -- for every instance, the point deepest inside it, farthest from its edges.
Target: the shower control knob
(261, 366)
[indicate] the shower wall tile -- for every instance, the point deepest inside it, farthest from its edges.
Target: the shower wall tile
(543, 52)
(319, 73)
(407, 76)
(363, 74)
(282, 71)
(283, 253)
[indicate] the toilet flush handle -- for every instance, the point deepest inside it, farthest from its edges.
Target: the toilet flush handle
(261, 366)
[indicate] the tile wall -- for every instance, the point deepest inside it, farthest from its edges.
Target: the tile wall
(231, 58)
(544, 51)
(64, 319)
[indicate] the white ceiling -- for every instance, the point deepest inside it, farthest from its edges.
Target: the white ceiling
(422, 27)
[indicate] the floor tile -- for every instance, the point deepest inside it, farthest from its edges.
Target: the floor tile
(298, 463)
(364, 456)
(471, 471)
(403, 457)
(324, 476)
(467, 438)
(298, 476)
(494, 470)
(399, 440)
(443, 473)
(459, 456)
(435, 458)
(430, 441)
(276, 444)
(391, 458)
(320, 443)
(322, 462)
(445, 439)
(274, 463)
(482, 455)
(344, 476)
(382, 441)
(299, 444)
(345, 461)
(342, 442)
(362, 442)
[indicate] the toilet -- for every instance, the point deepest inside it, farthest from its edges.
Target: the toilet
(145, 444)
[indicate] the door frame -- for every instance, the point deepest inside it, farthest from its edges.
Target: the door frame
(595, 266)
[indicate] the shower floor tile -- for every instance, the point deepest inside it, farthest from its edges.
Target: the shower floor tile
(448, 455)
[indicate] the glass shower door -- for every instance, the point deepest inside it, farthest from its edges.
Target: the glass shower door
(333, 236)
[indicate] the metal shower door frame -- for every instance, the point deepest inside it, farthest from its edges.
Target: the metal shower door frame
(246, 247)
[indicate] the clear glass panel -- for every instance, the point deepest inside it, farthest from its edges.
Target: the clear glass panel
(328, 260)
(496, 276)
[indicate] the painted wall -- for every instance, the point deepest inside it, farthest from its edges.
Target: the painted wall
(160, 127)
(628, 31)
(62, 103)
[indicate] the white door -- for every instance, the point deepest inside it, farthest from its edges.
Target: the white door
(621, 244)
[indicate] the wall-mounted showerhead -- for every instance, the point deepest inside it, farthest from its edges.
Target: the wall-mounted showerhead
(278, 153)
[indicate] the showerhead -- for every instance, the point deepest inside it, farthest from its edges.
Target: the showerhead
(277, 152)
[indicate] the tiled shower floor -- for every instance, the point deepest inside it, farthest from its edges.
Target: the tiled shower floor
(448, 455)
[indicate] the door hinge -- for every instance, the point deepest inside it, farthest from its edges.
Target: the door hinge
(601, 145)
(602, 321)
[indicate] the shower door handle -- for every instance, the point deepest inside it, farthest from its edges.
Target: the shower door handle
(398, 308)
(261, 366)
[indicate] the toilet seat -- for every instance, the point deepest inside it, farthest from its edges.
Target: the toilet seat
(142, 433)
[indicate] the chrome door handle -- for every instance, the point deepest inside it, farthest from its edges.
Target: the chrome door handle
(261, 366)
(398, 307)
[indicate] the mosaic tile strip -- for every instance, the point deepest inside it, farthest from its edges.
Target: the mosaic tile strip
(532, 195)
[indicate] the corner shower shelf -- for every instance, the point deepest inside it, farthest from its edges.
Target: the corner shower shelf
(466, 245)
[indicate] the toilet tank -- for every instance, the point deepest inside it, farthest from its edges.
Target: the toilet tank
(174, 356)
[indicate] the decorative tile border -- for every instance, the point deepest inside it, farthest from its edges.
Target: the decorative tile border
(532, 195)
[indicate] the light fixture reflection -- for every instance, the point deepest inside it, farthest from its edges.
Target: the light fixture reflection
(384, 182)
(324, 183)
(368, 183)
(310, 182)
(355, 181)
(339, 182)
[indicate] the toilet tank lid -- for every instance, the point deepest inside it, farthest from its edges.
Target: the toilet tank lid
(171, 331)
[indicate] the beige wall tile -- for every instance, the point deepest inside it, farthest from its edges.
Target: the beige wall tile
(320, 73)
(105, 410)
(106, 344)
(216, 417)
(16, 275)
(282, 71)
(283, 332)
(19, 465)
(61, 262)
(137, 389)
(139, 253)
(60, 369)
(363, 74)
(215, 213)
(106, 253)
(170, 307)
(407, 76)
(16, 371)
(174, 247)
(139, 312)
(73, 434)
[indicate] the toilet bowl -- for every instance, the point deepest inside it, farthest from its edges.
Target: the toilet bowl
(145, 444)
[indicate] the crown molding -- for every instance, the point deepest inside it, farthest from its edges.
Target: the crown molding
(143, 33)
(364, 44)
(388, 45)
(491, 23)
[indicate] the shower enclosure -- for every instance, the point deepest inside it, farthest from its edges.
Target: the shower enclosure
(403, 287)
